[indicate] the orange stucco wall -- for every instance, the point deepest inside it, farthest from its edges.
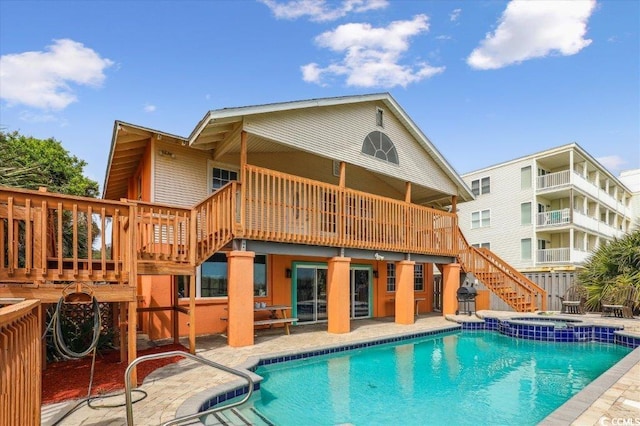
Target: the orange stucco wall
(156, 291)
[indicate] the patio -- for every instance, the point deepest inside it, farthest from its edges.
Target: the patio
(616, 394)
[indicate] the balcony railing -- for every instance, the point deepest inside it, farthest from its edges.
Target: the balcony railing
(54, 237)
(286, 208)
(561, 255)
(554, 218)
(559, 180)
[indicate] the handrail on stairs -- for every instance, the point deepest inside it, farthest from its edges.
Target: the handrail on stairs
(127, 385)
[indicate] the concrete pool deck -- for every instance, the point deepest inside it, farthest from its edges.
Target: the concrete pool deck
(615, 397)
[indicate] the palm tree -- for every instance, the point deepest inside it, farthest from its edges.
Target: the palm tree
(616, 263)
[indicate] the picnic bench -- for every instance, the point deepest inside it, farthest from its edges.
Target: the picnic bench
(274, 318)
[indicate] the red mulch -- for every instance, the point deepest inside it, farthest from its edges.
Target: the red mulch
(70, 379)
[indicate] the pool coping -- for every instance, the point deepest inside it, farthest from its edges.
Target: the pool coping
(565, 414)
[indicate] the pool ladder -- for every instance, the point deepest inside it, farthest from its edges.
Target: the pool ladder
(213, 410)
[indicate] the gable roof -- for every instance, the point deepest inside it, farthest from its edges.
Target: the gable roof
(217, 124)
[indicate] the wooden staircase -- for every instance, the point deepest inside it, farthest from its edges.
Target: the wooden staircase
(516, 290)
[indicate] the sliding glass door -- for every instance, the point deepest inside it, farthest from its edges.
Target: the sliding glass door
(310, 292)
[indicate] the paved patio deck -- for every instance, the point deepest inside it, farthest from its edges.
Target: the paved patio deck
(617, 397)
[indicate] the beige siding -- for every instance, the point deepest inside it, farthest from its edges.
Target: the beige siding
(180, 180)
(504, 200)
(338, 132)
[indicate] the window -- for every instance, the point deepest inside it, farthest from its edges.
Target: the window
(379, 117)
(482, 245)
(525, 214)
(378, 145)
(213, 277)
(480, 219)
(525, 177)
(391, 277)
(525, 249)
(418, 277)
(481, 186)
(221, 177)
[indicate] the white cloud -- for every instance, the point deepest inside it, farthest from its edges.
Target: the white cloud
(443, 37)
(46, 117)
(534, 29)
(42, 79)
(455, 14)
(319, 10)
(372, 55)
(149, 108)
(613, 163)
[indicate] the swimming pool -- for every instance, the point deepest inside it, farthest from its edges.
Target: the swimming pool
(457, 378)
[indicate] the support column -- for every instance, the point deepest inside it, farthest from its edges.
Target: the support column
(405, 299)
(132, 338)
(450, 285)
(428, 286)
(338, 295)
(192, 314)
(240, 291)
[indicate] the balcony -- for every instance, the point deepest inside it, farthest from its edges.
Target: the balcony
(565, 179)
(560, 218)
(563, 255)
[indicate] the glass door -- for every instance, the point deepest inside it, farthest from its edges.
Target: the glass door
(310, 293)
(360, 292)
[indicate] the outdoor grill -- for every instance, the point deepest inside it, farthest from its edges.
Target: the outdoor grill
(466, 296)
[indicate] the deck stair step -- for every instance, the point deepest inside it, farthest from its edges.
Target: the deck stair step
(245, 415)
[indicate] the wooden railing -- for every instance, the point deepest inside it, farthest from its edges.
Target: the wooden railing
(291, 209)
(214, 222)
(162, 232)
(522, 294)
(20, 364)
(54, 237)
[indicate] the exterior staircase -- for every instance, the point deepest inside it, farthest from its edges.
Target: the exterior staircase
(516, 290)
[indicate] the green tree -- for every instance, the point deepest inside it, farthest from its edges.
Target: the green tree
(27, 162)
(616, 263)
(30, 163)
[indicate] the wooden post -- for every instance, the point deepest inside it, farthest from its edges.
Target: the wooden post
(174, 310)
(338, 314)
(454, 204)
(405, 297)
(192, 313)
(407, 192)
(122, 322)
(243, 176)
(343, 174)
(133, 353)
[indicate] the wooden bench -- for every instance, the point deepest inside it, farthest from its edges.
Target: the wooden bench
(272, 321)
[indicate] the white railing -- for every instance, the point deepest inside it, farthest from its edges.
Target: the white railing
(561, 255)
(564, 178)
(554, 180)
(554, 218)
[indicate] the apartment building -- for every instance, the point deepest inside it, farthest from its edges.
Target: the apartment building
(546, 212)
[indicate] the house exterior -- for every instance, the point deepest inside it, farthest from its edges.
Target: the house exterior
(546, 212)
(324, 210)
(293, 160)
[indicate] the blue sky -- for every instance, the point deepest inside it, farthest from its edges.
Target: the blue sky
(486, 81)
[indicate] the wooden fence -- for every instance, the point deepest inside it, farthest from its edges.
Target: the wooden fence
(20, 364)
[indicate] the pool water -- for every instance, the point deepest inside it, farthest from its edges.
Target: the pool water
(481, 378)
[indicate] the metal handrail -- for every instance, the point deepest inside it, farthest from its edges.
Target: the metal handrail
(127, 385)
